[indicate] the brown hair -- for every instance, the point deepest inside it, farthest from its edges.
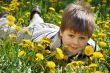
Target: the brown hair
(78, 19)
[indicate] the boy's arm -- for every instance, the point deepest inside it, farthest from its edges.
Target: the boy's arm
(92, 43)
(6, 30)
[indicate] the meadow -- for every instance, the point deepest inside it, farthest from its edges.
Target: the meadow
(32, 57)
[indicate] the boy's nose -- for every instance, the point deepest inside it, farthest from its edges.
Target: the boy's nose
(75, 41)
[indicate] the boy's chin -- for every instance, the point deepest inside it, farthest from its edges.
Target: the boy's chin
(74, 52)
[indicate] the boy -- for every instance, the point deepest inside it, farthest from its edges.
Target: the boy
(73, 35)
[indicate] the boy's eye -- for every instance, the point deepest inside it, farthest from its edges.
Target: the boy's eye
(70, 35)
(82, 38)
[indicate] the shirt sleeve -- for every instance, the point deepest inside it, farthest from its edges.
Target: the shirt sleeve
(4, 28)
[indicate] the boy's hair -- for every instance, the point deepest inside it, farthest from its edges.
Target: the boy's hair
(78, 19)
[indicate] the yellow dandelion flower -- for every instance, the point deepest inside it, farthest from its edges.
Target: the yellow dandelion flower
(59, 54)
(59, 16)
(76, 63)
(13, 36)
(101, 35)
(22, 54)
(102, 59)
(10, 18)
(46, 40)
(11, 23)
(47, 51)
(102, 44)
(104, 1)
(51, 8)
(65, 57)
(21, 20)
(18, 28)
(89, 50)
(40, 45)
(61, 11)
(27, 14)
(28, 2)
(52, 70)
(40, 56)
(106, 26)
(5, 8)
(69, 64)
(53, 0)
(89, 1)
(59, 22)
(81, 62)
(92, 65)
(26, 43)
(94, 35)
(97, 55)
(92, 8)
(97, 72)
(27, 31)
(51, 64)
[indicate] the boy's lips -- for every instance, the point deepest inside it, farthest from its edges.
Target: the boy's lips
(73, 48)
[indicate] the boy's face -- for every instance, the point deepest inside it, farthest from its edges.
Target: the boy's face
(74, 42)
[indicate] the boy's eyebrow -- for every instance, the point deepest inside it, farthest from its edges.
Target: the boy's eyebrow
(81, 34)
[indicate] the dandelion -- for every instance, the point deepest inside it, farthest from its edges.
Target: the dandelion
(51, 64)
(59, 54)
(69, 64)
(46, 40)
(52, 70)
(22, 54)
(76, 63)
(26, 43)
(13, 36)
(11, 23)
(27, 14)
(51, 8)
(28, 2)
(40, 46)
(65, 57)
(27, 31)
(21, 20)
(92, 65)
(53, 0)
(104, 1)
(59, 16)
(89, 1)
(89, 50)
(102, 59)
(102, 44)
(61, 11)
(40, 56)
(59, 22)
(97, 72)
(18, 28)
(10, 18)
(97, 55)
(94, 35)
(92, 8)
(101, 35)
(47, 51)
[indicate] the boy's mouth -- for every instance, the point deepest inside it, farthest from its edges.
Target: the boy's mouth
(73, 48)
